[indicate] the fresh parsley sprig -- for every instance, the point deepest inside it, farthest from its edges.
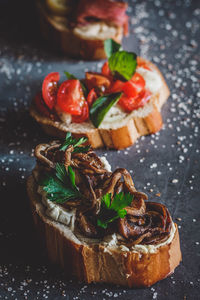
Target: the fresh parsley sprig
(113, 209)
(121, 63)
(69, 140)
(60, 187)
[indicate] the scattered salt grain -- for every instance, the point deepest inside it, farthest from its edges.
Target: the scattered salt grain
(174, 180)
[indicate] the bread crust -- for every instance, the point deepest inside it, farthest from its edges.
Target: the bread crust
(96, 263)
(67, 41)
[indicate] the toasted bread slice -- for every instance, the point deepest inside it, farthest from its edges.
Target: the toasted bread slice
(93, 262)
(86, 43)
(118, 135)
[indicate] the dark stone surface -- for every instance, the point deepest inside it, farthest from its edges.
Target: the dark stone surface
(166, 32)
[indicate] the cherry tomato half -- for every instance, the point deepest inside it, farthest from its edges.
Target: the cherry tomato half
(41, 106)
(91, 97)
(70, 97)
(84, 114)
(134, 86)
(131, 103)
(117, 86)
(50, 88)
(105, 69)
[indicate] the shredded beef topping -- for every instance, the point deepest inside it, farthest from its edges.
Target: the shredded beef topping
(145, 222)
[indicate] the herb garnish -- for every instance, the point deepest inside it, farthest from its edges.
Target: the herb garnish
(101, 107)
(69, 75)
(121, 63)
(110, 47)
(60, 187)
(69, 140)
(113, 209)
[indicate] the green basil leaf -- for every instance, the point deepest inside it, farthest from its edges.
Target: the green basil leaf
(69, 75)
(110, 47)
(123, 64)
(101, 107)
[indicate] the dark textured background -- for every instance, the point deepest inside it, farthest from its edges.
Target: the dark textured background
(166, 32)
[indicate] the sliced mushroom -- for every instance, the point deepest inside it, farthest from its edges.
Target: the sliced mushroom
(87, 228)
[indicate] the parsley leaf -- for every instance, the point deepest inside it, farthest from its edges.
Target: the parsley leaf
(60, 187)
(69, 140)
(113, 209)
(110, 47)
(72, 176)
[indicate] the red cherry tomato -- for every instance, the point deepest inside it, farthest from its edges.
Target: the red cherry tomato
(105, 69)
(40, 105)
(117, 86)
(134, 93)
(91, 97)
(84, 114)
(131, 103)
(134, 86)
(70, 97)
(50, 88)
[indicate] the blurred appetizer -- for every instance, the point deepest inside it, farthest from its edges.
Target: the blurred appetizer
(94, 223)
(112, 108)
(79, 27)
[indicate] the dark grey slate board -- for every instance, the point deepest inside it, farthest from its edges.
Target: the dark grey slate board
(166, 32)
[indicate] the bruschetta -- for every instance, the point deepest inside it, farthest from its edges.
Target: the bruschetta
(112, 108)
(94, 223)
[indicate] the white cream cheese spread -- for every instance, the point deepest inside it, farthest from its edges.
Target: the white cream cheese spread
(99, 30)
(152, 79)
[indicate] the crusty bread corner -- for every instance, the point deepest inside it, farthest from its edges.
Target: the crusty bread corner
(56, 30)
(96, 263)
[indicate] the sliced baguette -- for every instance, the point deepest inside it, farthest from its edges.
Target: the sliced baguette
(146, 120)
(71, 41)
(95, 262)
